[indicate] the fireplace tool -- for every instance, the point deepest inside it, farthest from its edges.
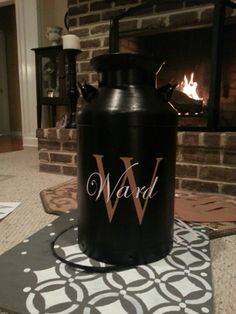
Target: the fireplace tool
(126, 160)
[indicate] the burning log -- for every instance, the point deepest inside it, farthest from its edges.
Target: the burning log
(186, 101)
(186, 105)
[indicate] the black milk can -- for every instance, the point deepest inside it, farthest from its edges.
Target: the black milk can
(126, 164)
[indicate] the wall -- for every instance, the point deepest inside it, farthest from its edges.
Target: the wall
(27, 15)
(51, 13)
(6, 2)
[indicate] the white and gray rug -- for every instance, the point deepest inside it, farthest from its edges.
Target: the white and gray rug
(36, 282)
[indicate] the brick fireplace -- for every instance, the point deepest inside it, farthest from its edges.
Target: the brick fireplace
(205, 161)
(177, 32)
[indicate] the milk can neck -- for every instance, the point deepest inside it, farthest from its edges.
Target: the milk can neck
(122, 69)
(124, 77)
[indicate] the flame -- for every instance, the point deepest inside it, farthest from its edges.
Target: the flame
(189, 87)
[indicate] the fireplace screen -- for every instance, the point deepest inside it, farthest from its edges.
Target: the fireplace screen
(186, 58)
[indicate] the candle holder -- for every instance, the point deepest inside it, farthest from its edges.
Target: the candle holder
(71, 50)
(71, 85)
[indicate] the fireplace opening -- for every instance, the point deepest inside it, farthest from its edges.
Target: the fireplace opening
(185, 56)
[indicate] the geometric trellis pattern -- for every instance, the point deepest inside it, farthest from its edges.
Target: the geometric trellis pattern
(180, 283)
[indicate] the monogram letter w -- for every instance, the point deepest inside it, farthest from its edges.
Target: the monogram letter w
(120, 189)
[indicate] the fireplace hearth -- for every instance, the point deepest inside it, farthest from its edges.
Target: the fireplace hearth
(205, 160)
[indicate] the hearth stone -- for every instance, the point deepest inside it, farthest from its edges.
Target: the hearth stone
(206, 162)
(57, 150)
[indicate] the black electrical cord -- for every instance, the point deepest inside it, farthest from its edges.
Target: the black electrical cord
(90, 269)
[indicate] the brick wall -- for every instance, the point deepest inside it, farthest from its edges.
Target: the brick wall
(206, 162)
(57, 150)
(89, 19)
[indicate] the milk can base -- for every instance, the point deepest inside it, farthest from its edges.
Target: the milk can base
(125, 258)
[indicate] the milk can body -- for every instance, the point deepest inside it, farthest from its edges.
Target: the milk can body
(126, 165)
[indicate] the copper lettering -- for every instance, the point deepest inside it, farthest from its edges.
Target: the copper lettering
(98, 183)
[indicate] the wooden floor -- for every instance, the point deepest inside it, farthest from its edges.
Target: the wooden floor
(9, 143)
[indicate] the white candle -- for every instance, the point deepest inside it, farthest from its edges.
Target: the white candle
(70, 41)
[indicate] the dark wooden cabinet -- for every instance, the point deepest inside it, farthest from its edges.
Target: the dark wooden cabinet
(51, 81)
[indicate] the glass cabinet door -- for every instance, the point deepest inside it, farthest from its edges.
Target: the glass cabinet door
(50, 77)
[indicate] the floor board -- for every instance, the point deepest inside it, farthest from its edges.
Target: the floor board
(10, 143)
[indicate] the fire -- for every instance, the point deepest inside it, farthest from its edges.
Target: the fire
(189, 87)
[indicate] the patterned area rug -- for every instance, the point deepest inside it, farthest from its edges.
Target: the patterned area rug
(60, 198)
(216, 212)
(36, 282)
